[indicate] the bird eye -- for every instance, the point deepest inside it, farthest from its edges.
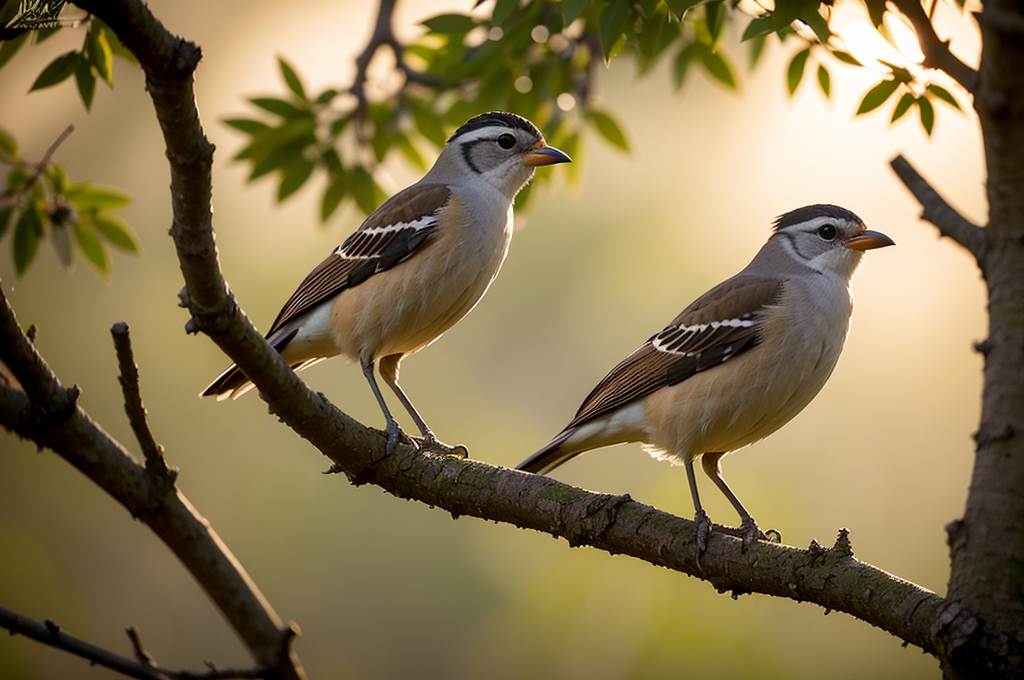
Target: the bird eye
(506, 141)
(827, 232)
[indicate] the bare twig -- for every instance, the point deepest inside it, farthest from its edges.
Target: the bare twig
(936, 51)
(141, 654)
(9, 197)
(49, 633)
(133, 405)
(48, 414)
(940, 213)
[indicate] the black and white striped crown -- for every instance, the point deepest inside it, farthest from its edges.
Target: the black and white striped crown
(496, 118)
(811, 212)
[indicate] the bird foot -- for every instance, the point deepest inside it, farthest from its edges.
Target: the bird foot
(748, 531)
(431, 443)
(396, 434)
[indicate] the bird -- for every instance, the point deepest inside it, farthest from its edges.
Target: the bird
(417, 265)
(735, 365)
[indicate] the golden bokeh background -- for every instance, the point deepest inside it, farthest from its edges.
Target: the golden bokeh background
(384, 588)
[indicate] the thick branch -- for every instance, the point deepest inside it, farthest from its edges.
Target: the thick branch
(940, 213)
(936, 51)
(831, 578)
(49, 633)
(48, 414)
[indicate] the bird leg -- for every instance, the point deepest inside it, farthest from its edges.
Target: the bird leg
(388, 367)
(700, 516)
(393, 430)
(748, 529)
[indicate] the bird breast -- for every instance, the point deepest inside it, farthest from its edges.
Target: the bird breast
(754, 394)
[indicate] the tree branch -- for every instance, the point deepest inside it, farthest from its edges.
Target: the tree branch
(829, 577)
(48, 414)
(940, 213)
(49, 633)
(133, 405)
(936, 51)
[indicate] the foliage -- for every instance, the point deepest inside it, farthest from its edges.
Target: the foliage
(539, 59)
(41, 201)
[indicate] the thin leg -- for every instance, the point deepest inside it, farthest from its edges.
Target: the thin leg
(748, 529)
(700, 517)
(388, 367)
(392, 429)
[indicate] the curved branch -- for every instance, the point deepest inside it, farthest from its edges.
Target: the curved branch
(829, 577)
(936, 51)
(48, 414)
(940, 213)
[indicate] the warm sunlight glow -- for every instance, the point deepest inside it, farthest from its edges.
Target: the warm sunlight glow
(871, 49)
(904, 37)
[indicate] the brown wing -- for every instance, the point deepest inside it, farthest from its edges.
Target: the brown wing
(393, 233)
(722, 323)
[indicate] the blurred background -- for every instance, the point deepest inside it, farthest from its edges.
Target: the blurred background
(389, 589)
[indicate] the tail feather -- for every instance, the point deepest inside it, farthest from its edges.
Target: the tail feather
(551, 456)
(231, 383)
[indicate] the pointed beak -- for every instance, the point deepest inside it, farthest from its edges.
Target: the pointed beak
(542, 154)
(869, 240)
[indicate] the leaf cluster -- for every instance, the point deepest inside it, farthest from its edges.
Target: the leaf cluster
(40, 201)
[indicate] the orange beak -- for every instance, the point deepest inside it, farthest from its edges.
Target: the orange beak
(869, 240)
(542, 154)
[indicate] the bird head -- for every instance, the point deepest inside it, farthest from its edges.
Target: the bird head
(827, 238)
(500, 148)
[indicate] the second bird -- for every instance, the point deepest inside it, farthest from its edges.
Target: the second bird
(737, 364)
(415, 267)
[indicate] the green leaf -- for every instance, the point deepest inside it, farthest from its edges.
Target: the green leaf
(9, 47)
(877, 95)
(904, 104)
(846, 58)
(5, 219)
(60, 236)
(927, 114)
(758, 27)
(86, 82)
(679, 7)
(718, 67)
(450, 23)
(87, 197)
(943, 94)
(26, 239)
(614, 19)
(411, 153)
(824, 81)
(503, 10)
(757, 49)
(429, 125)
(99, 53)
(326, 96)
(59, 69)
(682, 63)
(58, 177)
(571, 9)
(276, 158)
(246, 125)
(294, 176)
(609, 129)
(714, 18)
(335, 191)
(115, 230)
(277, 106)
(812, 17)
(363, 189)
(91, 247)
(291, 79)
(795, 73)
(8, 147)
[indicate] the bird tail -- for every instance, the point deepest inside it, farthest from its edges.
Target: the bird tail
(231, 383)
(552, 455)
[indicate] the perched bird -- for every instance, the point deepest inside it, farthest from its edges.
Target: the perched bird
(415, 267)
(737, 364)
